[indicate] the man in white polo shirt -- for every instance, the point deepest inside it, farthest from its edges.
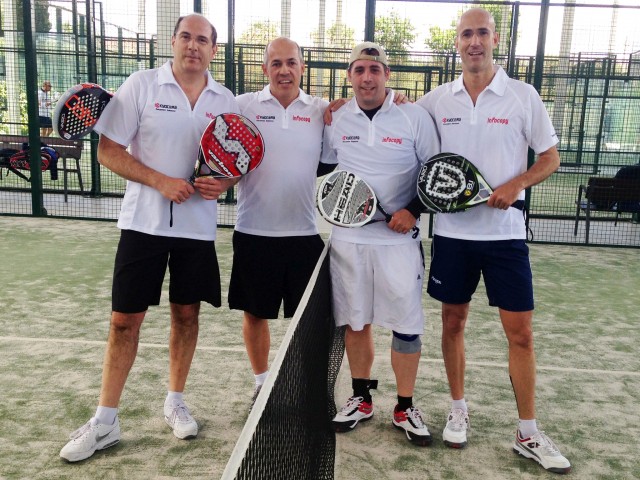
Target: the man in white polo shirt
(385, 144)
(161, 114)
(491, 120)
(276, 243)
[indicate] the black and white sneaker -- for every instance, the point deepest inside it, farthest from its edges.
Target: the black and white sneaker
(410, 420)
(354, 411)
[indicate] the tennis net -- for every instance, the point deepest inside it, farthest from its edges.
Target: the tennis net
(288, 433)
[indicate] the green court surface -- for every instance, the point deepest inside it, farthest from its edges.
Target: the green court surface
(54, 317)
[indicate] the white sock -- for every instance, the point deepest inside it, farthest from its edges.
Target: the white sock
(261, 378)
(173, 398)
(106, 415)
(527, 427)
(461, 404)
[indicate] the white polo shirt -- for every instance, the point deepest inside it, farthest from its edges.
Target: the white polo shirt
(387, 153)
(151, 114)
(278, 198)
(494, 135)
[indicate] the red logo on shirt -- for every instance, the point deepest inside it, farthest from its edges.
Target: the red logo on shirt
(298, 118)
(502, 121)
(392, 140)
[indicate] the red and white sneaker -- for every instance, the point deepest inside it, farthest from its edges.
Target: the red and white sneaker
(540, 448)
(354, 411)
(410, 420)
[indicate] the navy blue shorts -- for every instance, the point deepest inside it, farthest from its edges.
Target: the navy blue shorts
(269, 271)
(141, 263)
(456, 266)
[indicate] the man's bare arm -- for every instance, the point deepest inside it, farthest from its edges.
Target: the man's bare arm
(504, 195)
(116, 158)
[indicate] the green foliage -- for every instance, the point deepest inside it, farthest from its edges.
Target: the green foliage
(338, 35)
(394, 33)
(43, 24)
(260, 33)
(441, 40)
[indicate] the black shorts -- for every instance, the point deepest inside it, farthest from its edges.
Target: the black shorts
(141, 263)
(45, 122)
(456, 267)
(268, 271)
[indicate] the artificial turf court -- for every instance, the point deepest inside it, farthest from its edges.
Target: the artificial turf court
(54, 313)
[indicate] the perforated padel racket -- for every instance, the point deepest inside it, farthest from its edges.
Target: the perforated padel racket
(448, 182)
(78, 109)
(346, 200)
(231, 146)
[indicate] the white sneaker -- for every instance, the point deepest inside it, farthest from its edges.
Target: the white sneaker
(354, 411)
(540, 448)
(455, 432)
(410, 420)
(90, 437)
(180, 420)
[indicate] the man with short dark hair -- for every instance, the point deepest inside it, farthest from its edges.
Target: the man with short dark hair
(160, 114)
(377, 269)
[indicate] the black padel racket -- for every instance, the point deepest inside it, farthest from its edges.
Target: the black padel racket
(78, 110)
(448, 182)
(346, 200)
(231, 146)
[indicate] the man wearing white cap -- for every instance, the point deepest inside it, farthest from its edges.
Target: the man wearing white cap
(384, 144)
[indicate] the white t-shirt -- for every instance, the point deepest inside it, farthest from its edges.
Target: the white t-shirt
(494, 135)
(278, 198)
(387, 153)
(151, 114)
(44, 110)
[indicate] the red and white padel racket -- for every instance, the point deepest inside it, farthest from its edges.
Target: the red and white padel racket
(231, 146)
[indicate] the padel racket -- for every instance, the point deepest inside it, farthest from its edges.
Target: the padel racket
(346, 200)
(231, 146)
(78, 109)
(448, 182)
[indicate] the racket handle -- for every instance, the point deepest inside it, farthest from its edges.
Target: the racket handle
(519, 204)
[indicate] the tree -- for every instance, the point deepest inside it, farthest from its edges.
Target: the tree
(338, 35)
(43, 24)
(441, 40)
(394, 33)
(260, 33)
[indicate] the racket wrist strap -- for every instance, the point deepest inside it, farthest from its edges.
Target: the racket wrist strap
(415, 207)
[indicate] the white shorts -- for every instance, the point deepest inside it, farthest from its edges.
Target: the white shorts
(378, 284)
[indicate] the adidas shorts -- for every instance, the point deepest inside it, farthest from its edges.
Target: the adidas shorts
(141, 263)
(456, 267)
(378, 284)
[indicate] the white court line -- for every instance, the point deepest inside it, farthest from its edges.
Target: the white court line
(377, 357)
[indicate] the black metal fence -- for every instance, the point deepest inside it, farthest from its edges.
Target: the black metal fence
(593, 100)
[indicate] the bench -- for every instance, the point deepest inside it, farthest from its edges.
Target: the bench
(606, 194)
(69, 150)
